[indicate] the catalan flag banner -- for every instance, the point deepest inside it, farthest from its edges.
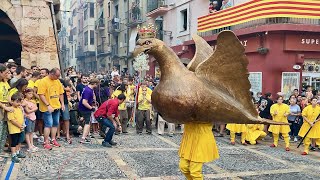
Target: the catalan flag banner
(259, 9)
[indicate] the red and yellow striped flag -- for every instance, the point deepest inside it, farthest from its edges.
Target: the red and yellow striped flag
(259, 9)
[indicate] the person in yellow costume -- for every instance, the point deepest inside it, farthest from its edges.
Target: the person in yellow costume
(237, 128)
(122, 89)
(255, 132)
(279, 112)
(18, 86)
(310, 115)
(198, 146)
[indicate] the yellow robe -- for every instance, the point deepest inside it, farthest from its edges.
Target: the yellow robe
(311, 114)
(198, 143)
(281, 109)
(237, 128)
(255, 131)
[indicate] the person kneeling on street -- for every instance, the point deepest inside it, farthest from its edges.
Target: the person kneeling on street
(104, 115)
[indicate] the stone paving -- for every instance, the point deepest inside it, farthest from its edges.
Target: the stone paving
(155, 157)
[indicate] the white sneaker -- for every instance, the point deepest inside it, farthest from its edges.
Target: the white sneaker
(295, 139)
(35, 136)
(41, 139)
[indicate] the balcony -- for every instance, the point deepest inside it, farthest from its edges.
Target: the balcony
(135, 17)
(157, 8)
(245, 16)
(103, 50)
(100, 24)
(115, 50)
(79, 52)
(114, 26)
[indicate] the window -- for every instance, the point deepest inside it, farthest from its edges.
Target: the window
(109, 39)
(91, 37)
(184, 20)
(79, 26)
(85, 38)
(125, 38)
(92, 10)
(116, 11)
(85, 15)
(109, 10)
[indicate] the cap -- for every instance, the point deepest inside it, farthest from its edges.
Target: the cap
(11, 61)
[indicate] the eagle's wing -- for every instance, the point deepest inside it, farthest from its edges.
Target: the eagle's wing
(228, 68)
(203, 52)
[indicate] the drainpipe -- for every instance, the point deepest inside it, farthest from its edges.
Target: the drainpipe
(53, 17)
(128, 37)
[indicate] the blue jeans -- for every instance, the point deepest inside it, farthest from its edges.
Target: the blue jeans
(106, 122)
(51, 119)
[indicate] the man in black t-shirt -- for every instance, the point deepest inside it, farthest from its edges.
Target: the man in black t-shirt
(264, 106)
(80, 87)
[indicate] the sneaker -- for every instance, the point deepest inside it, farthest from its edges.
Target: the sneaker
(295, 139)
(35, 136)
(47, 146)
(312, 148)
(35, 148)
(55, 143)
(113, 143)
(15, 159)
(85, 141)
(40, 139)
(219, 135)
(32, 150)
(149, 133)
(59, 139)
(21, 155)
(272, 145)
(105, 144)
(304, 153)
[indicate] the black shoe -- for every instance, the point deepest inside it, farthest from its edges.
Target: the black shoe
(312, 148)
(125, 132)
(116, 133)
(113, 143)
(21, 155)
(149, 133)
(105, 144)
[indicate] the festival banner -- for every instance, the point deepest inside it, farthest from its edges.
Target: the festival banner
(259, 9)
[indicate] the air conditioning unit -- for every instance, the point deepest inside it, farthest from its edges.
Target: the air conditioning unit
(116, 20)
(109, 48)
(121, 44)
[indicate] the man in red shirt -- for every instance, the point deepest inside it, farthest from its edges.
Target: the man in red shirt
(104, 115)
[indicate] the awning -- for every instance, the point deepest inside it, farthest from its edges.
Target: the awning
(132, 41)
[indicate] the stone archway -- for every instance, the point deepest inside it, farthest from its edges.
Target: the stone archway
(10, 44)
(32, 21)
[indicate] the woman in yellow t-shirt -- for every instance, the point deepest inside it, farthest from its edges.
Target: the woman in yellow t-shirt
(310, 118)
(5, 75)
(279, 112)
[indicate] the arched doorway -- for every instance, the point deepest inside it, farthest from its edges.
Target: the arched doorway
(10, 44)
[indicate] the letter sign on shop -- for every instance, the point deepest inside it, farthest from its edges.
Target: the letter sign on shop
(310, 41)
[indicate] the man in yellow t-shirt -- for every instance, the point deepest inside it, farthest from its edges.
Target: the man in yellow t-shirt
(143, 113)
(39, 121)
(50, 91)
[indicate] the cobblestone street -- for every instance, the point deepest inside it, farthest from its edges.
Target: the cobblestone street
(155, 157)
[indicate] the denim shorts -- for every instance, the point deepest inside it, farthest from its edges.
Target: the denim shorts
(30, 126)
(51, 119)
(65, 113)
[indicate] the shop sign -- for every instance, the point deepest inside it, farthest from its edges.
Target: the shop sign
(289, 82)
(250, 44)
(302, 42)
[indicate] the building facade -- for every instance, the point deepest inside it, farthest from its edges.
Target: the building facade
(27, 33)
(283, 52)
